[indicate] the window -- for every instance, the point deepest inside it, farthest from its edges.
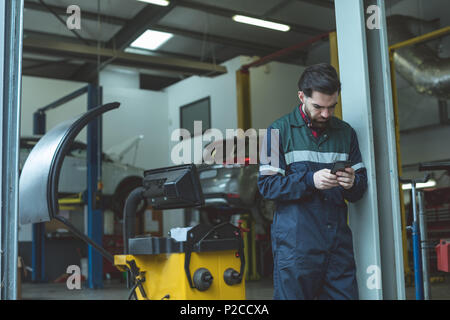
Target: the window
(199, 110)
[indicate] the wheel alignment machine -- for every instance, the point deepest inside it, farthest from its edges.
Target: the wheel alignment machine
(201, 263)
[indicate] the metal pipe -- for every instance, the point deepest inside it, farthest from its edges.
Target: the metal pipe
(64, 99)
(418, 279)
(285, 51)
(424, 247)
(11, 37)
(418, 64)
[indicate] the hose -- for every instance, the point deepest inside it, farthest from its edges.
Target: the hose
(129, 215)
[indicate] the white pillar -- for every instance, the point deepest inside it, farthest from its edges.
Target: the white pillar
(367, 106)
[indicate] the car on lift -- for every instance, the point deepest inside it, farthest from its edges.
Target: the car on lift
(119, 179)
(230, 184)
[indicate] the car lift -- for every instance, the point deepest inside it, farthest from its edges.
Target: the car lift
(159, 267)
(95, 220)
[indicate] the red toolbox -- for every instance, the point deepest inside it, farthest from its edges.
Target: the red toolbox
(443, 255)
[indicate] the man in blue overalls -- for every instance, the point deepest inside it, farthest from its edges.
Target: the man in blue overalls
(311, 241)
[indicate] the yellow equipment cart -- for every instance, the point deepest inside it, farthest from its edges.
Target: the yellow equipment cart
(208, 265)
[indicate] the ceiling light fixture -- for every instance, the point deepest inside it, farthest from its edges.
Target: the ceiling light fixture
(261, 23)
(164, 3)
(429, 184)
(151, 40)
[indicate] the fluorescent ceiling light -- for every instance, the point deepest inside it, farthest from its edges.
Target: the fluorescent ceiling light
(151, 40)
(157, 2)
(428, 184)
(261, 23)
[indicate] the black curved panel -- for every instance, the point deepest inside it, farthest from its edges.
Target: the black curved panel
(40, 174)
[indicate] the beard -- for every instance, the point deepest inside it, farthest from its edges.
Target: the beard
(320, 124)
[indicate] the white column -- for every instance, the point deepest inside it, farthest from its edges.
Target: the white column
(367, 106)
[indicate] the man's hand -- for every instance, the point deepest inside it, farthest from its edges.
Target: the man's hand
(323, 179)
(347, 178)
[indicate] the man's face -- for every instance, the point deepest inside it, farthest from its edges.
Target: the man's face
(319, 107)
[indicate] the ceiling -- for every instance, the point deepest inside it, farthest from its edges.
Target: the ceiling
(204, 36)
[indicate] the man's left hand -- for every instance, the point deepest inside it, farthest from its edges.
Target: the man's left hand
(347, 178)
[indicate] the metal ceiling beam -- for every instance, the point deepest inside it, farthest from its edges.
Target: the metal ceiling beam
(77, 51)
(29, 5)
(60, 38)
(148, 16)
(230, 13)
(56, 15)
(40, 68)
(257, 48)
(275, 9)
(55, 37)
(320, 3)
(232, 42)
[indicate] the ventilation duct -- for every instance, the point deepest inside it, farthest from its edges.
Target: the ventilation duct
(419, 64)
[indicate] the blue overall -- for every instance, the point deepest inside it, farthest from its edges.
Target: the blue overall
(311, 241)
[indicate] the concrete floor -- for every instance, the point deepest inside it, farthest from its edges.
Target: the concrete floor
(113, 290)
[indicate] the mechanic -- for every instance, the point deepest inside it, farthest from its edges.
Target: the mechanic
(311, 241)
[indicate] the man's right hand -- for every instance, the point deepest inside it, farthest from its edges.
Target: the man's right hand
(324, 179)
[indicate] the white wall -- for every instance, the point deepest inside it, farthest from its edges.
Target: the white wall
(141, 112)
(39, 92)
(222, 91)
(273, 89)
(114, 77)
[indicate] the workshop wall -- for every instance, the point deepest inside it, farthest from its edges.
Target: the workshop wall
(221, 89)
(273, 89)
(142, 112)
(115, 77)
(39, 92)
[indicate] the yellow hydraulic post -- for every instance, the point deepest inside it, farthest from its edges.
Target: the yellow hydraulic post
(254, 275)
(244, 115)
(243, 226)
(392, 48)
(247, 225)
(334, 61)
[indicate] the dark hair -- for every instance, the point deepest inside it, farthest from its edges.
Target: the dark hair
(320, 77)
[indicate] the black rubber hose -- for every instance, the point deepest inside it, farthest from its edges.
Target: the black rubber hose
(129, 215)
(85, 238)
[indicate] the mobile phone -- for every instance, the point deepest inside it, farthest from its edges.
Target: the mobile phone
(340, 166)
